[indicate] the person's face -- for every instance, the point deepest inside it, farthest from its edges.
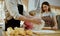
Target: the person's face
(45, 7)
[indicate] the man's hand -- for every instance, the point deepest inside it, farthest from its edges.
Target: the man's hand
(35, 20)
(31, 19)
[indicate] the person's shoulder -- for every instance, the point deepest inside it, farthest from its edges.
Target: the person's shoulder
(53, 13)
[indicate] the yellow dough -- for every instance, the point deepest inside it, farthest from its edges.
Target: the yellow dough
(20, 31)
(29, 32)
(9, 29)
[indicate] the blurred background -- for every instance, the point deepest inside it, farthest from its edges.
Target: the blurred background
(35, 5)
(55, 7)
(32, 5)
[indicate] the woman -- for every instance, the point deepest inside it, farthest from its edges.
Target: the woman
(48, 16)
(15, 14)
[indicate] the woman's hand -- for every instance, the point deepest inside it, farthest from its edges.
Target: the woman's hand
(55, 28)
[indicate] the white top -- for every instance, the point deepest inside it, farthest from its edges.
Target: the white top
(51, 14)
(11, 6)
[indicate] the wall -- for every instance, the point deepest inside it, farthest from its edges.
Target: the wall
(26, 3)
(31, 5)
(55, 4)
(52, 2)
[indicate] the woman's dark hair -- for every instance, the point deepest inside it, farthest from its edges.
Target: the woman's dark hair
(45, 3)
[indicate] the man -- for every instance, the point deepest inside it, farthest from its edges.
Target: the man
(11, 7)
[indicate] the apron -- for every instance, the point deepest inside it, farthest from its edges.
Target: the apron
(12, 22)
(48, 21)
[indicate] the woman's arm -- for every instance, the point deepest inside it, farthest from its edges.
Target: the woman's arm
(55, 23)
(47, 28)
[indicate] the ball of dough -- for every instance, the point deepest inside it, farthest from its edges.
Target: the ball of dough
(29, 32)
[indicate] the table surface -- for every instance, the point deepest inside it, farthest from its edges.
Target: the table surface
(56, 33)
